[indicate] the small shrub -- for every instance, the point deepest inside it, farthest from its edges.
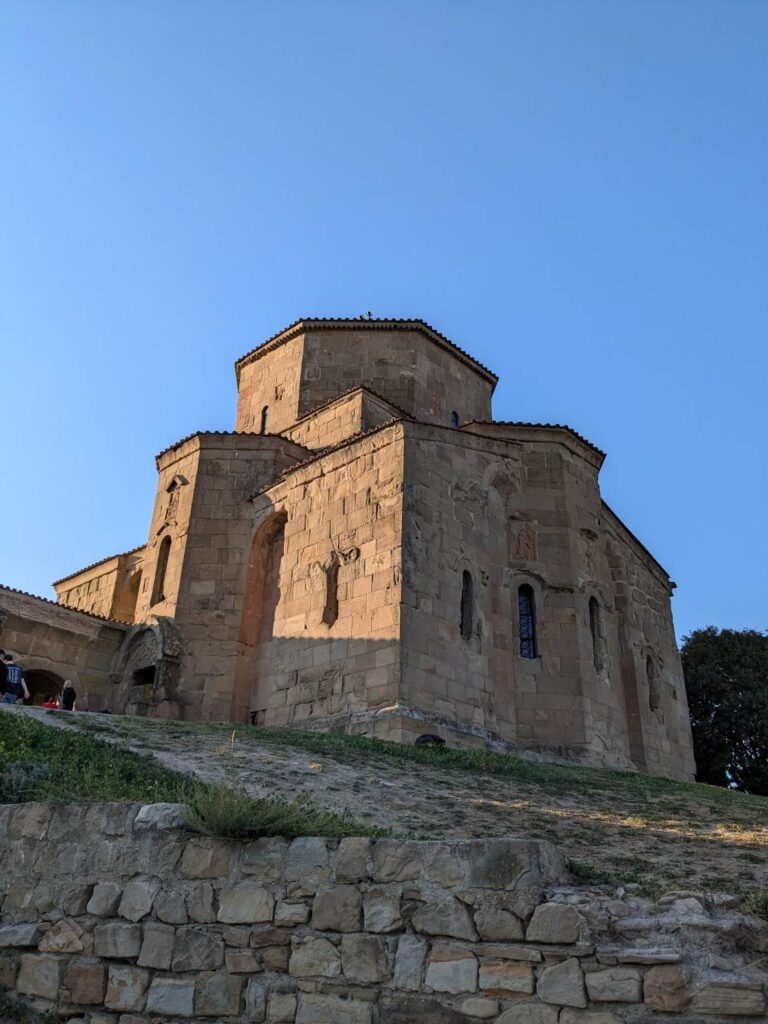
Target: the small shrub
(234, 814)
(19, 780)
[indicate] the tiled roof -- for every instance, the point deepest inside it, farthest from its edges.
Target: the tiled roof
(92, 566)
(540, 426)
(64, 607)
(360, 323)
(326, 451)
(221, 433)
(339, 398)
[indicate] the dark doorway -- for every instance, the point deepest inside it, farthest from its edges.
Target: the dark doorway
(42, 686)
(144, 676)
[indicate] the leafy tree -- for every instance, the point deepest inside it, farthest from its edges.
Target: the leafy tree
(726, 676)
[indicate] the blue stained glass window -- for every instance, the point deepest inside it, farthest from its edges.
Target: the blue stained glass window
(527, 613)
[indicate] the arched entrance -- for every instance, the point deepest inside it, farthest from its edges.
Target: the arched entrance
(42, 686)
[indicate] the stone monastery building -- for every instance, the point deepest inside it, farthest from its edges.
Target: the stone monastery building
(369, 551)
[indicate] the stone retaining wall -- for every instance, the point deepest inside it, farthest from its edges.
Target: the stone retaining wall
(114, 914)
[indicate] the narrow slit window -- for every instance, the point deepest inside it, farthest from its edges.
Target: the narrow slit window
(454, 419)
(467, 605)
(527, 613)
(595, 628)
(158, 590)
(264, 419)
(654, 688)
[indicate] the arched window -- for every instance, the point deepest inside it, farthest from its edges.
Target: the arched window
(596, 629)
(158, 590)
(527, 611)
(264, 419)
(454, 419)
(654, 686)
(467, 605)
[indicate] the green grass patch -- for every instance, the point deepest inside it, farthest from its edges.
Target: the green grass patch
(234, 814)
(79, 766)
(39, 762)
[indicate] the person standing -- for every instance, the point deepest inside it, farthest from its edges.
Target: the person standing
(2, 672)
(15, 687)
(68, 696)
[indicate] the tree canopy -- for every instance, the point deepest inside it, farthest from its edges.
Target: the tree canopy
(726, 677)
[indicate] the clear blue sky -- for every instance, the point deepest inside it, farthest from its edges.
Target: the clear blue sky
(575, 191)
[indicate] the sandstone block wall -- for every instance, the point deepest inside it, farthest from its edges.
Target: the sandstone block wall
(334, 646)
(272, 380)
(109, 588)
(340, 420)
(113, 915)
(60, 643)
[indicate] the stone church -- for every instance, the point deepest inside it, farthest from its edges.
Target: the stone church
(370, 552)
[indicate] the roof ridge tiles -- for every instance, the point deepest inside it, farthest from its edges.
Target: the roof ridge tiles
(375, 323)
(222, 433)
(543, 426)
(345, 394)
(86, 568)
(64, 607)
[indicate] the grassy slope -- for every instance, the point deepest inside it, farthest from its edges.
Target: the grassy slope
(615, 826)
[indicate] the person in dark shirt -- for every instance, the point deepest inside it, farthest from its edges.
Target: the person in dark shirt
(68, 696)
(15, 686)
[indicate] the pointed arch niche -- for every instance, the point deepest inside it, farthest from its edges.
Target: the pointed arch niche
(260, 600)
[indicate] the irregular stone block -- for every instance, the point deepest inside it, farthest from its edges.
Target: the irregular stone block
(255, 1001)
(316, 1009)
(615, 985)
(442, 866)
(236, 935)
(126, 989)
(275, 958)
(63, 937)
(196, 949)
(529, 1013)
(291, 913)
(218, 995)
(282, 1008)
(337, 910)
(451, 970)
(315, 958)
(665, 987)
(554, 923)
(589, 1017)
(381, 911)
(171, 997)
(532, 956)
(205, 858)
(38, 976)
(480, 1007)
(246, 903)
(200, 903)
(19, 935)
(169, 907)
(86, 982)
(562, 984)
(445, 917)
(351, 862)
(507, 978)
(395, 1008)
(409, 963)
(116, 940)
(364, 959)
(733, 1000)
(242, 961)
(513, 864)
(263, 859)
(138, 897)
(304, 855)
(157, 946)
(162, 817)
(104, 899)
(498, 925)
(395, 861)
(270, 937)
(9, 968)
